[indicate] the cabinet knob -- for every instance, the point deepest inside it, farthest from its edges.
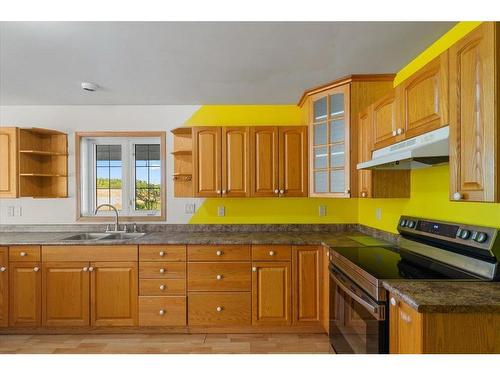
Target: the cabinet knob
(223, 192)
(271, 253)
(218, 191)
(347, 191)
(276, 191)
(161, 312)
(363, 194)
(219, 308)
(23, 253)
(3, 269)
(85, 269)
(282, 191)
(219, 277)
(91, 269)
(162, 253)
(254, 269)
(219, 253)
(399, 131)
(36, 269)
(162, 270)
(394, 132)
(457, 196)
(393, 301)
(162, 287)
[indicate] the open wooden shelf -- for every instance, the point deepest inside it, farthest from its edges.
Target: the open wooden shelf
(182, 152)
(43, 153)
(182, 130)
(41, 175)
(183, 162)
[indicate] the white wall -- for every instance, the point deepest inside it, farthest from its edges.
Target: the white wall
(71, 119)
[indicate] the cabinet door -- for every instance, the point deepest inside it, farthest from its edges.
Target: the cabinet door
(114, 293)
(424, 98)
(25, 294)
(293, 161)
(271, 294)
(365, 145)
(307, 269)
(405, 329)
(8, 163)
(474, 126)
(385, 119)
(264, 161)
(65, 294)
(4, 287)
(235, 162)
(207, 161)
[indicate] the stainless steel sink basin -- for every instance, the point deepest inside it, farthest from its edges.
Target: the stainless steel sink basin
(86, 237)
(123, 236)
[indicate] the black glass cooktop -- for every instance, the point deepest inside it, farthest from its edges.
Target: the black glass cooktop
(397, 263)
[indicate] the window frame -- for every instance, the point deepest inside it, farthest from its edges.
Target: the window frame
(128, 173)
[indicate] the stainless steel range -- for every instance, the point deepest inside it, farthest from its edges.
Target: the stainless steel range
(428, 249)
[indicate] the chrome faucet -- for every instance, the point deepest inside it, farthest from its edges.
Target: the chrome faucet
(116, 214)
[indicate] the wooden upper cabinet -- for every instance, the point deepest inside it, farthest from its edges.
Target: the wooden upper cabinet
(264, 161)
(207, 161)
(8, 163)
(424, 98)
(271, 293)
(25, 294)
(385, 117)
(235, 162)
(114, 294)
(306, 276)
(474, 123)
(293, 161)
(4, 287)
(66, 294)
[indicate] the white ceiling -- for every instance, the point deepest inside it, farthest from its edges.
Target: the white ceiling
(196, 62)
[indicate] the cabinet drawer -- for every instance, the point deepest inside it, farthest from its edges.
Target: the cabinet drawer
(162, 270)
(223, 309)
(219, 276)
(271, 252)
(153, 253)
(162, 287)
(218, 253)
(24, 253)
(162, 311)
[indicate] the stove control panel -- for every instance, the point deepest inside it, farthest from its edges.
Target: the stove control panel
(483, 239)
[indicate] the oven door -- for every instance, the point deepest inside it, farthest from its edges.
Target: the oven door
(358, 323)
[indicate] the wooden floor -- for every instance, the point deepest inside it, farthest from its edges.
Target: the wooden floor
(165, 343)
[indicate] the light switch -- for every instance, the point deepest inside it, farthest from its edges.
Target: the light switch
(221, 211)
(322, 210)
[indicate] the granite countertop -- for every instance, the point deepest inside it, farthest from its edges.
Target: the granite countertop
(447, 296)
(192, 238)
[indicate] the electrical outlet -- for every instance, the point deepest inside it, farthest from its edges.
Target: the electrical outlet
(221, 211)
(10, 211)
(190, 208)
(378, 213)
(322, 210)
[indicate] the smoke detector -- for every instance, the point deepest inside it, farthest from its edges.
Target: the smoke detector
(88, 86)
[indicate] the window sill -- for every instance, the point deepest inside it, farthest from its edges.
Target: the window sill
(122, 219)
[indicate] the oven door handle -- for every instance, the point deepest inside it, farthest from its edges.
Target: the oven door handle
(376, 310)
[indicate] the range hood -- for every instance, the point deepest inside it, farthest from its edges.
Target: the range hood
(419, 152)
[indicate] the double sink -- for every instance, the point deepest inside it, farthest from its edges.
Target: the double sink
(102, 236)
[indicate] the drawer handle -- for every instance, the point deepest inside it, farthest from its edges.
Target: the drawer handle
(3, 269)
(393, 301)
(162, 253)
(219, 277)
(162, 270)
(219, 308)
(219, 253)
(23, 253)
(161, 312)
(36, 269)
(271, 253)
(162, 287)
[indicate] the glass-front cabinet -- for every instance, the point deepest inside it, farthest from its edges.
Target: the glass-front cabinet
(329, 126)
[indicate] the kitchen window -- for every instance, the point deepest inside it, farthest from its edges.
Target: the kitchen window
(124, 170)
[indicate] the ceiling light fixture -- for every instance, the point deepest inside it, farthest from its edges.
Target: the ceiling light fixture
(88, 86)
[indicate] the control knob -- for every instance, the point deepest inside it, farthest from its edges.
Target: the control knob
(464, 234)
(402, 222)
(481, 237)
(411, 224)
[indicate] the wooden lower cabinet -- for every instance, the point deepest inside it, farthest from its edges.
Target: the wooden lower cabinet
(219, 309)
(306, 275)
(271, 293)
(155, 311)
(25, 294)
(412, 332)
(114, 294)
(4, 287)
(66, 294)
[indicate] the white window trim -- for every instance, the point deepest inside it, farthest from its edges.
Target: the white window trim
(88, 181)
